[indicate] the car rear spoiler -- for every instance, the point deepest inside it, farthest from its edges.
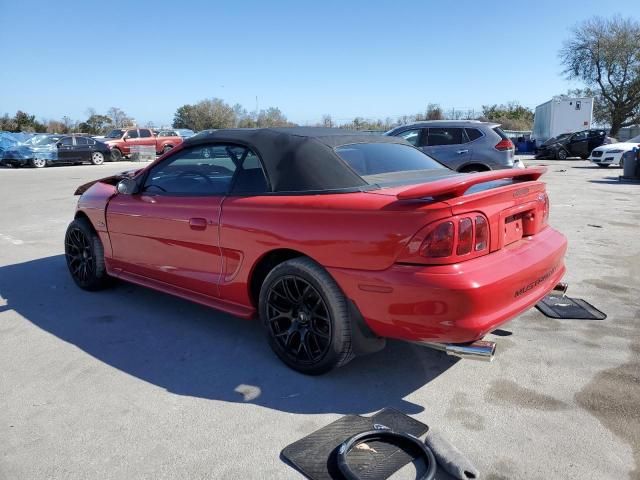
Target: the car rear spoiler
(452, 187)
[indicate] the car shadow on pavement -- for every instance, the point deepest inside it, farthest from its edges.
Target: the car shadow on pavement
(614, 181)
(192, 350)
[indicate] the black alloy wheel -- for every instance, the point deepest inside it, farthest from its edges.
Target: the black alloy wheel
(80, 258)
(85, 255)
(562, 154)
(306, 317)
(299, 319)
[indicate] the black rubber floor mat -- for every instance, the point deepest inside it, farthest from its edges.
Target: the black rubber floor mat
(314, 455)
(557, 306)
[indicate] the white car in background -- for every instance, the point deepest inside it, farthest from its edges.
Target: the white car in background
(611, 154)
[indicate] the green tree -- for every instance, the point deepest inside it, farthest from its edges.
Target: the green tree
(272, 117)
(206, 114)
(184, 117)
(605, 55)
(95, 124)
(511, 116)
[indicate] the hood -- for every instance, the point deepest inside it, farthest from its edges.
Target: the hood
(111, 180)
(618, 145)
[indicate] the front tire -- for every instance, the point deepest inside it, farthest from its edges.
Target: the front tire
(306, 317)
(85, 256)
(603, 165)
(97, 158)
(116, 155)
(562, 154)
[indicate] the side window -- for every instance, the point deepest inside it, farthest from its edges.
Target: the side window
(145, 133)
(67, 141)
(577, 137)
(411, 136)
(445, 136)
(91, 141)
(81, 141)
(473, 133)
(250, 177)
(201, 170)
(132, 133)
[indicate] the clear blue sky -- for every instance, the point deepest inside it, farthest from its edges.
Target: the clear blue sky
(346, 58)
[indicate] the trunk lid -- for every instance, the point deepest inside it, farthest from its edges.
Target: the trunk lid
(514, 202)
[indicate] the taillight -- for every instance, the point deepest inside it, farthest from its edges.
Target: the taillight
(439, 242)
(545, 208)
(504, 144)
(465, 236)
(482, 234)
(452, 240)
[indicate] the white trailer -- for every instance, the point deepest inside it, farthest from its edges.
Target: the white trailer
(561, 115)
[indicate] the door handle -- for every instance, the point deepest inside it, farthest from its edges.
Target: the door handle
(197, 223)
(460, 152)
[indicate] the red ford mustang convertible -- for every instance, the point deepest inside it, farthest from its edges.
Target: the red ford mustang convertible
(335, 240)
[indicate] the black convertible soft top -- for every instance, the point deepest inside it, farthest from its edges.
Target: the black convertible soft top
(299, 158)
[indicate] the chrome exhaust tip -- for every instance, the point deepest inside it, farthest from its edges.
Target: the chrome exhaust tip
(561, 288)
(482, 350)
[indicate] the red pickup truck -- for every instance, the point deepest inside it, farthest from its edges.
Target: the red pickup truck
(121, 140)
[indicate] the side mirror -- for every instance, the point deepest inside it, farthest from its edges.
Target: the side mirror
(127, 186)
(58, 145)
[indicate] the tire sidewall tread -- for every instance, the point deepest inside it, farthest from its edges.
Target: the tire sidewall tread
(100, 278)
(340, 350)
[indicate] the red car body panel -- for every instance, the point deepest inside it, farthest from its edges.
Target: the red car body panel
(206, 249)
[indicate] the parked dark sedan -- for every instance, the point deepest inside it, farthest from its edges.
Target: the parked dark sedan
(578, 144)
(42, 150)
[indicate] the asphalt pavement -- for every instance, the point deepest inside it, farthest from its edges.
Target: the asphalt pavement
(132, 383)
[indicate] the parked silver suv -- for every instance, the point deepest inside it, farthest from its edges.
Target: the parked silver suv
(462, 145)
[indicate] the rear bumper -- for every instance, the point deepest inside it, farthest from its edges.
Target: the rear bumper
(457, 303)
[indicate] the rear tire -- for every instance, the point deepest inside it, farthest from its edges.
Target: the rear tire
(116, 155)
(38, 162)
(166, 148)
(306, 317)
(97, 158)
(603, 165)
(85, 256)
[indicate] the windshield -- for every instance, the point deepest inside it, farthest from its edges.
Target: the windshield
(41, 140)
(185, 132)
(379, 159)
(115, 134)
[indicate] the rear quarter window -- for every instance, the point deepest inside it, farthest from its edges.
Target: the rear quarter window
(380, 158)
(473, 133)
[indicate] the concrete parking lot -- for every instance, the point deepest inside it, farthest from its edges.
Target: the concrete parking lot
(131, 383)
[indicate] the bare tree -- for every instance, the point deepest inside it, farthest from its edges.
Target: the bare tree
(327, 121)
(119, 118)
(434, 112)
(605, 55)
